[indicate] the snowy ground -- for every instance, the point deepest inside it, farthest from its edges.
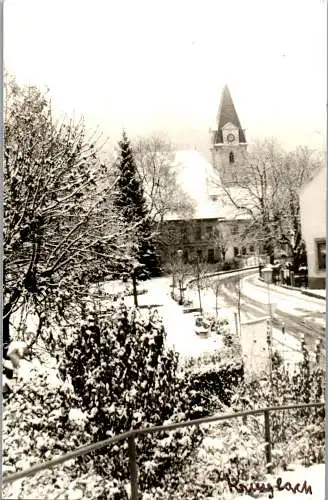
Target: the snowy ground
(179, 326)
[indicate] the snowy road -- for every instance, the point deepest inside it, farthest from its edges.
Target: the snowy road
(299, 313)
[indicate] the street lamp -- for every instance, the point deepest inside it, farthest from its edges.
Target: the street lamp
(180, 255)
(267, 277)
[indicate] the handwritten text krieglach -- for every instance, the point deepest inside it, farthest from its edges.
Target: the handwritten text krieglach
(237, 487)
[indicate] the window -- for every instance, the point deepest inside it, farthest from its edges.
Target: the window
(321, 254)
(198, 233)
(243, 251)
(235, 251)
(231, 157)
(210, 256)
(214, 197)
(251, 249)
(209, 231)
(199, 254)
(184, 232)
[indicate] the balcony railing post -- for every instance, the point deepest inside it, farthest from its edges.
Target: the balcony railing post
(267, 437)
(133, 467)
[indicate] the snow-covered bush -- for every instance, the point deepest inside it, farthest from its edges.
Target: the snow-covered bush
(125, 378)
(217, 383)
(39, 424)
(237, 447)
(230, 448)
(217, 325)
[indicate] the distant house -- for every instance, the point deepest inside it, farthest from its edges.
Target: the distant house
(313, 206)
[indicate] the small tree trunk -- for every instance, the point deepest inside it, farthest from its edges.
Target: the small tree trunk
(5, 335)
(135, 291)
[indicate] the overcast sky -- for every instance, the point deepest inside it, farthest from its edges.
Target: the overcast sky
(160, 65)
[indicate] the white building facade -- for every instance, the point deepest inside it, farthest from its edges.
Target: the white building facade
(313, 207)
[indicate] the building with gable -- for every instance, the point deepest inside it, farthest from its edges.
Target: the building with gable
(213, 232)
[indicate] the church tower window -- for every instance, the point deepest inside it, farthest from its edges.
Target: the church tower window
(231, 157)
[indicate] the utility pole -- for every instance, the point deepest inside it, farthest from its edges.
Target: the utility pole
(198, 286)
(267, 276)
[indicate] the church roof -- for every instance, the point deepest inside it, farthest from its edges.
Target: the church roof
(201, 183)
(227, 114)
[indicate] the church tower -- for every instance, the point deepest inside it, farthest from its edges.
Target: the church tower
(228, 142)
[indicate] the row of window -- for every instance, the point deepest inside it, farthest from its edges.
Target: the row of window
(209, 254)
(197, 234)
(242, 251)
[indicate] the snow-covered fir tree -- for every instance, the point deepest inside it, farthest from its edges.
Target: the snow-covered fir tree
(131, 204)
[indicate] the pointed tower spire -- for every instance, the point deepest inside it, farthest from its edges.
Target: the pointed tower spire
(227, 114)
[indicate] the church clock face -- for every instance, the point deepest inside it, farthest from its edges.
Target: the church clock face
(230, 137)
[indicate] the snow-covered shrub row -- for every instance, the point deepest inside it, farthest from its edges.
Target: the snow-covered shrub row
(112, 376)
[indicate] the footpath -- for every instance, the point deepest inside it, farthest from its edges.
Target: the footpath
(179, 326)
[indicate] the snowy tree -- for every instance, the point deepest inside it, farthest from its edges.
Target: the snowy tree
(157, 168)
(296, 169)
(267, 191)
(59, 222)
(131, 204)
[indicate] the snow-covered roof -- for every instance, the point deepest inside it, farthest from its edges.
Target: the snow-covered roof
(202, 184)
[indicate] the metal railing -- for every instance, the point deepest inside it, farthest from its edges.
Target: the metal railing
(132, 434)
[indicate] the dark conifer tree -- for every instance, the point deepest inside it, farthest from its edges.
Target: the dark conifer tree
(131, 204)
